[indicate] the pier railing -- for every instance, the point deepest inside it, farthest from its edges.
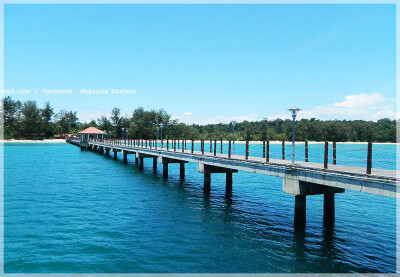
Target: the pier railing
(216, 147)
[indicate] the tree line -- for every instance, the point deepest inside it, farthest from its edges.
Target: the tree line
(27, 120)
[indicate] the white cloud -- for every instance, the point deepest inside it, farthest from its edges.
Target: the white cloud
(363, 106)
(187, 114)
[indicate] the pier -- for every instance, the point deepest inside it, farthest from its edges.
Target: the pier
(300, 179)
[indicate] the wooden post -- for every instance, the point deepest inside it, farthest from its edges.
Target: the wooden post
(247, 150)
(185, 144)
(210, 145)
(174, 142)
(202, 146)
(326, 155)
(192, 146)
(283, 150)
(221, 145)
(369, 158)
(229, 149)
(183, 148)
(267, 157)
(167, 144)
(215, 147)
(263, 149)
(334, 153)
(306, 151)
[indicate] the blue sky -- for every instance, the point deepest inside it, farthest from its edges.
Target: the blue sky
(207, 63)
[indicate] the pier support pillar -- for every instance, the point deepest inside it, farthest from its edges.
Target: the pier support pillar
(228, 186)
(208, 169)
(125, 158)
(140, 163)
(182, 170)
(155, 163)
(165, 170)
(207, 182)
(115, 155)
(300, 211)
(329, 209)
(136, 160)
(82, 148)
(107, 152)
(300, 189)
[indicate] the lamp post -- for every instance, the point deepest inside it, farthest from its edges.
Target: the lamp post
(158, 129)
(294, 111)
(233, 134)
(161, 125)
(123, 133)
(126, 136)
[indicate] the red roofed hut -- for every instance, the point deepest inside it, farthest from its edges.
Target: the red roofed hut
(92, 133)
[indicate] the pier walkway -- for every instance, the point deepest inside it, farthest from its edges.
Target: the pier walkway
(299, 179)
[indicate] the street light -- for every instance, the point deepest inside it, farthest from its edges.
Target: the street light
(158, 129)
(294, 111)
(233, 132)
(161, 125)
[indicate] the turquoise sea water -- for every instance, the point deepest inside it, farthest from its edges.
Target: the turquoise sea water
(68, 210)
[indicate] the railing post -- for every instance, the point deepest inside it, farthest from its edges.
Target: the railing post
(202, 146)
(185, 144)
(326, 155)
(263, 149)
(221, 145)
(183, 148)
(192, 146)
(334, 153)
(167, 144)
(306, 151)
(283, 150)
(210, 145)
(215, 147)
(267, 157)
(229, 150)
(247, 150)
(369, 158)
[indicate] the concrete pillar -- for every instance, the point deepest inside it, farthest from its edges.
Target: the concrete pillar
(228, 181)
(115, 155)
(165, 170)
(329, 209)
(141, 163)
(207, 182)
(136, 160)
(182, 170)
(82, 148)
(125, 158)
(107, 152)
(300, 211)
(155, 163)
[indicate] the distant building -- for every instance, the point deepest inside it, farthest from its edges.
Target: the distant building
(91, 133)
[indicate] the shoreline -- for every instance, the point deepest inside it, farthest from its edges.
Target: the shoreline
(33, 141)
(206, 141)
